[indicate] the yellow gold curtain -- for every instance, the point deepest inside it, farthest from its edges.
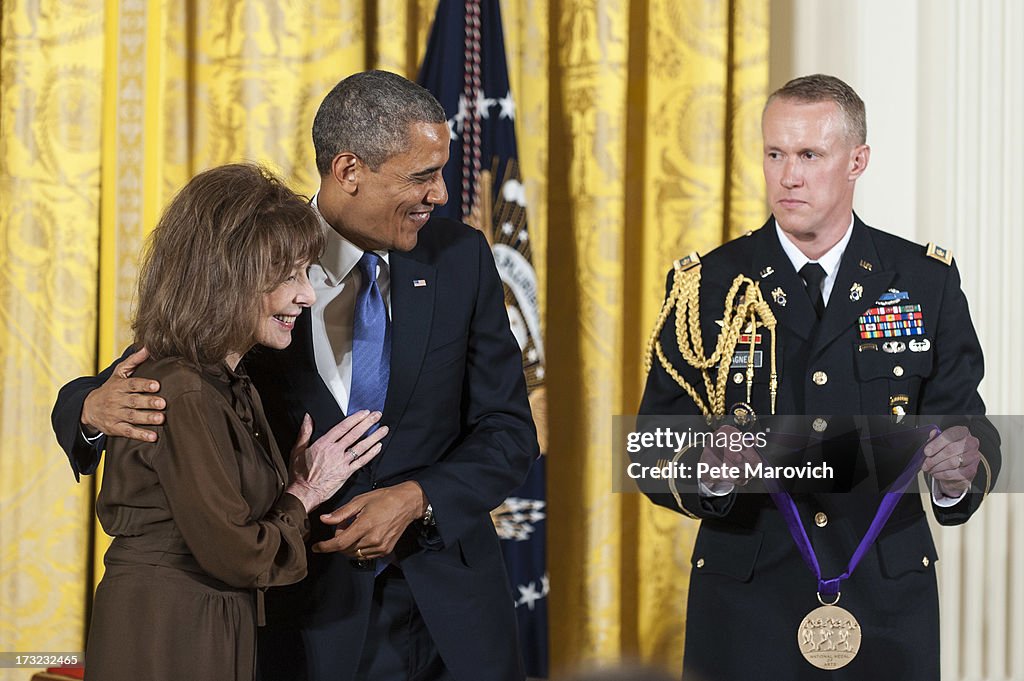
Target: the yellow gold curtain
(638, 136)
(655, 148)
(51, 64)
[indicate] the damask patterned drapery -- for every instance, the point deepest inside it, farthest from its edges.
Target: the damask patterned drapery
(639, 142)
(655, 152)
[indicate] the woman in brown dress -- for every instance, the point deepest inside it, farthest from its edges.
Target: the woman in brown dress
(207, 517)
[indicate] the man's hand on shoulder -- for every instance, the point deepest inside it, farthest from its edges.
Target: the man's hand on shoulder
(123, 402)
(369, 526)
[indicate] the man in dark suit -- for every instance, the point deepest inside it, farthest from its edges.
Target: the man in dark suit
(406, 580)
(830, 284)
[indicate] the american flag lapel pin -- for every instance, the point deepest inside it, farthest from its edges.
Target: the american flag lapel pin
(419, 283)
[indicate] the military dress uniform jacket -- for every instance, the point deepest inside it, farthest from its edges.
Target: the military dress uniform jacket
(749, 587)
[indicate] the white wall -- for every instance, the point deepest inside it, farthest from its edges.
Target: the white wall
(872, 46)
(943, 82)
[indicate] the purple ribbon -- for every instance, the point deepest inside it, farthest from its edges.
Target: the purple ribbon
(786, 505)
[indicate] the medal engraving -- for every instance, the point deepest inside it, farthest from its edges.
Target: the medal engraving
(829, 637)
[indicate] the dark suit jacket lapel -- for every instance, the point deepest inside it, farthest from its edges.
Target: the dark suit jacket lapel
(772, 269)
(856, 286)
(412, 312)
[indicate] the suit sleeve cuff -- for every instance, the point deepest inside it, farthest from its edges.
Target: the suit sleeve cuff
(91, 440)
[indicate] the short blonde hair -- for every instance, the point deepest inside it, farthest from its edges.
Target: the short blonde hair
(230, 235)
(824, 88)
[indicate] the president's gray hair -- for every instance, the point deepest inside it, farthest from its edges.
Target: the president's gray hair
(369, 114)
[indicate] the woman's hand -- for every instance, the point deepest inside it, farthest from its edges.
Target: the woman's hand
(319, 470)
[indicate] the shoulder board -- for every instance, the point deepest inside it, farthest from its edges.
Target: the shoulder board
(943, 255)
(687, 262)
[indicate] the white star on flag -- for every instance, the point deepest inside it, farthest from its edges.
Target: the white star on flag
(513, 191)
(456, 122)
(508, 107)
(528, 595)
(483, 105)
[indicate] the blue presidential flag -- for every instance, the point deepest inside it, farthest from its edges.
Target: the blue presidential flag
(465, 68)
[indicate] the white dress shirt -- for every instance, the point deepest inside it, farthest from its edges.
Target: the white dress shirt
(336, 280)
(829, 262)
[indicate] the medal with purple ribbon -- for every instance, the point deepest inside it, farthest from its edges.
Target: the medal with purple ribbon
(829, 637)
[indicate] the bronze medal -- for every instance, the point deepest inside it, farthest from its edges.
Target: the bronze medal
(829, 637)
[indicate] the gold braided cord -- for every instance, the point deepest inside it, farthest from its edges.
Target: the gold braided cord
(750, 361)
(690, 390)
(675, 490)
(684, 300)
(988, 475)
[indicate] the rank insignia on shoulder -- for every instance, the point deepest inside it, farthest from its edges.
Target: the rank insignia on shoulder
(687, 262)
(943, 255)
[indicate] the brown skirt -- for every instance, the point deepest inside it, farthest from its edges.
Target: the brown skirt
(154, 622)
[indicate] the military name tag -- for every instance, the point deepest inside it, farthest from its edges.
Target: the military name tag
(829, 637)
(740, 358)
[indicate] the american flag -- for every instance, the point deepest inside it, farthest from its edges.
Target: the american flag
(466, 69)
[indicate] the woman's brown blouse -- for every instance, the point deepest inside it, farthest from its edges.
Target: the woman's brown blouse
(208, 495)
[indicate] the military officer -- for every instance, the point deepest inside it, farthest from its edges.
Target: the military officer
(842, 319)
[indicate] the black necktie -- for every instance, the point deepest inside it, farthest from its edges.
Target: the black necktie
(813, 274)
